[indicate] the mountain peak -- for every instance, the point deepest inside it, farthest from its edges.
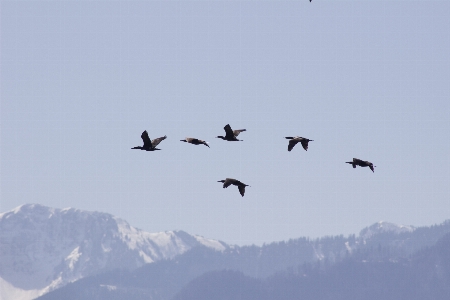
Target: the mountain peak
(43, 248)
(382, 227)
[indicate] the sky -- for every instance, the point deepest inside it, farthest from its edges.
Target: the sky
(81, 80)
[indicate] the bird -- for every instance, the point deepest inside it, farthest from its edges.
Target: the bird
(149, 145)
(195, 141)
(361, 163)
(231, 135)
(298, 139)
(230, 181)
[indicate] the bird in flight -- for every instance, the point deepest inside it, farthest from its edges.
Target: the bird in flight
(195, 141)
(361, 163)
(230, 134)
(149, 145)
(230, 181)
(298, 139)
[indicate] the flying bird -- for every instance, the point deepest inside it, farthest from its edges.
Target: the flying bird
(361, 163)
(231, 135)
(149, 145)
(195, 141)
(230, 181)
(298, 139)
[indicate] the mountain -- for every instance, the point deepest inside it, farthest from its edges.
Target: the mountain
(74, 254)
(425, 275)
(44, 248)
(197, 268)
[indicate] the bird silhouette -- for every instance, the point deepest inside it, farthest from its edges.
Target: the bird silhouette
(230, 181)
(195, 141)
(149, 145)
(298, 139)
(230, 135)
(361, 163)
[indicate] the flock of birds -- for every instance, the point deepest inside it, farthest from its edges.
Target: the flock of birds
(231, 136)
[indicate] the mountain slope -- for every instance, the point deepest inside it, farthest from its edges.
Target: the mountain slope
(426, 275)
(163, 279)
(44, 248)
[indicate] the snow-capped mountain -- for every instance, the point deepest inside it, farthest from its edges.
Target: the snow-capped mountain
(383, 226)
(44, 248)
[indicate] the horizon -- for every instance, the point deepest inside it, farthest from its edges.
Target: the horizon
(356, 234)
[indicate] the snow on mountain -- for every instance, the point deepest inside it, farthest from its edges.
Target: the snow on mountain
(44, 248)
(383, 226)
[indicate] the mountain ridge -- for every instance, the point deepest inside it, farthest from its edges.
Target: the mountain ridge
(44, 248)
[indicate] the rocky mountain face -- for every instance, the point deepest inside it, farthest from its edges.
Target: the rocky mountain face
(44, 248)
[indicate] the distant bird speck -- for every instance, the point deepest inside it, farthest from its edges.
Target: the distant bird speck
(195, 141)
(361, 163)
(149, 145)
(230, 181)
(231, 135)
(298, 139)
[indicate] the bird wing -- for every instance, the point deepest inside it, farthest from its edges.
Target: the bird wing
(146, 139)
(371, 167)
(359, 162)
(204, 143)
(237, 131)
(305, 144)
(156, 142)
(227, 183)
(228, 131)
(242, 190)
(292, 143)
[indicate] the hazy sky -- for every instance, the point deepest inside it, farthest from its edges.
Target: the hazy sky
(81, 80)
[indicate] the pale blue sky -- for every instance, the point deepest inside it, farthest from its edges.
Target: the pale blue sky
(81, 80)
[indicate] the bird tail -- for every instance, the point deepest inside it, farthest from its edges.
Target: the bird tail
(289, 137)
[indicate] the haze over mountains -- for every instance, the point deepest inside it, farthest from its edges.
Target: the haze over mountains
(75, 254)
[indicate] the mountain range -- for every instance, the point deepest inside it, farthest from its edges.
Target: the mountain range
(75, 254)
(44, 248)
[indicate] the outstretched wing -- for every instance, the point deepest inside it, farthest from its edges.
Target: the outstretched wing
(305, 144)
(156, 142)
(146, 139)
(227, 183)
(292, 143)
(228, 131)
(237, 131)
(205, 143)
(242, 190)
